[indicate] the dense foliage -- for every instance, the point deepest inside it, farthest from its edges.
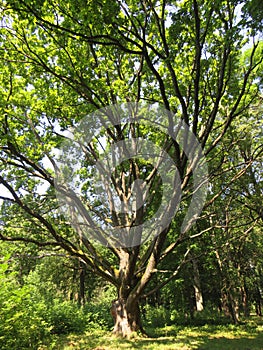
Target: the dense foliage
(61, 61)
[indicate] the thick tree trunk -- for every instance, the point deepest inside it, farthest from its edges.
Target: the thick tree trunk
(126, 317)
(125, 310)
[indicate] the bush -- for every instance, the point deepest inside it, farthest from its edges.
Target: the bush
(98, 315)
(98, 311)
(160, 317)
(208, 316)
(66, 317)
(22, 324)
(156, 316)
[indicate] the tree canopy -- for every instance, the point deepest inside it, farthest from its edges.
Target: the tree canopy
(63, 61)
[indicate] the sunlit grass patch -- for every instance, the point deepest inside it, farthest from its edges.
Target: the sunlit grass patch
(247, 336)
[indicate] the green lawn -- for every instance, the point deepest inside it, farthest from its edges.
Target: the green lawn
(248, 336)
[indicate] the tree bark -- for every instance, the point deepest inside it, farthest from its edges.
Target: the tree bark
(233, 305)
(258, 302)
(126, 317)
(224, 303)
(229, 300)
(81, 298)
(245, 301)
(197, 287)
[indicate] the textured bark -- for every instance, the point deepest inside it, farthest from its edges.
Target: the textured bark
(126, 318)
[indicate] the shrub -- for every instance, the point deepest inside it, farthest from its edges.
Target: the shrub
(98, 315)
(156, 316)
(22, 325)
(66, 317)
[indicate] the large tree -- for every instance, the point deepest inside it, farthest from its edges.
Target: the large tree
(62, 61)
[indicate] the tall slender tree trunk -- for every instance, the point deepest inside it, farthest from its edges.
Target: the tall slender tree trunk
(229, 304)
(224, 303)
(229, 298)
(197, 287)
(245, 302)
(233, 305)
(258, 302)
(81, 297)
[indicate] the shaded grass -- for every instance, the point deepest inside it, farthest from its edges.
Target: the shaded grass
(247, 336)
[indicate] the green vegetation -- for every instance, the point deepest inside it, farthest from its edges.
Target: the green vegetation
(189, 77)
(36, 316)
(31, 322)
(33, 312)
(171, 338)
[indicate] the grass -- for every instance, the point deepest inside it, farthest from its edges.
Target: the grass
(247, 336)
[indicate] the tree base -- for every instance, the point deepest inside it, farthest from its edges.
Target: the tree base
(127, 319)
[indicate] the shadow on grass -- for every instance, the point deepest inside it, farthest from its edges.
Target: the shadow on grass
(188, 342)
(240, 343)
(247, 336)
(109, 342)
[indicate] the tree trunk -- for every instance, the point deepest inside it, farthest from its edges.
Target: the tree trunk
(234, 307)
(258, 302)
(197, 287)
(126, 317)
(81, 298)
(229, 298)
(229, 304)
(125, 310)
(224, 303)
(245, 302)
